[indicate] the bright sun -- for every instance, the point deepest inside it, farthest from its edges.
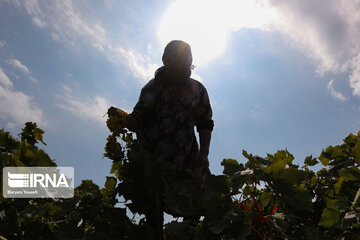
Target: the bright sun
(206, 24)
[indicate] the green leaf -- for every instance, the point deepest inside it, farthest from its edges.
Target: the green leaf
(40, 157)
(38, 135)
(289, 175)
(338, 153)
(7, 141)
(87, 187)
(356, 152)
(110, 184)
(231, 166)
(350, 174)
(296, 197)
(17, 156)
(116, 168)
(31, 133)
(281, 158)
(249, 190)
(255, 162)
(245, 153)
(351, 139)
(309, 160)
(324, 160)
(330, 215)
(329, 218)
(338, 185)
(265, 198)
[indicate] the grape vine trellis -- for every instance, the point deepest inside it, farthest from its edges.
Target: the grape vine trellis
(265, 198)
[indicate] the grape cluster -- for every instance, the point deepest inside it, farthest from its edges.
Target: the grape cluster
(118, 121)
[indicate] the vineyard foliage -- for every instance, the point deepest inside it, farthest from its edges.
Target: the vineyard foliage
(265, 198)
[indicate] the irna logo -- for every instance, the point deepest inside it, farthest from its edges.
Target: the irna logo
(34, 182)
(36, 179)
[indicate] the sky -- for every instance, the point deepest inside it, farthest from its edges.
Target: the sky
(280, 74)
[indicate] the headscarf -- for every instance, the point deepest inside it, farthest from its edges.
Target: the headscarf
(180, 51)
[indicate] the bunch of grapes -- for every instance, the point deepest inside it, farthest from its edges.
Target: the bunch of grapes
(118, 121)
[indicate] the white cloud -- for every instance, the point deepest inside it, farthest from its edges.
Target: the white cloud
(2, 43)
(325, 28)
(16, 105)
(328, 31)
(335, 93)
(33, 8)
(141, 67)
(4, 80)
(17, 64)
(355, 75)
(68, 26)
(86, 108)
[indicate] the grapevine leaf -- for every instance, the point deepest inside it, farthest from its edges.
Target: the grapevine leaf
(350, 174)
(7, 141)
(265, 198)
(309, 160)
(329, 217)
(281, 158)
(330, 214)
(338, 185)
(351, 139)
(356, 152)
(296, 197)
(231, 166)
(116, 168)
(324, 160)
(110, 185)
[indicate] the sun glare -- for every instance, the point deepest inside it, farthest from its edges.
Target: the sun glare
(206, 24)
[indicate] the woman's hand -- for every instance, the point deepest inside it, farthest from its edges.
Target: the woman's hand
(115, 112)
(123, 119)
(204, 162)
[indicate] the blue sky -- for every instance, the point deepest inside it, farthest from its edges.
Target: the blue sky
(279, 73)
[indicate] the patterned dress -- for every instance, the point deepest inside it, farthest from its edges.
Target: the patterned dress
(167, 114)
